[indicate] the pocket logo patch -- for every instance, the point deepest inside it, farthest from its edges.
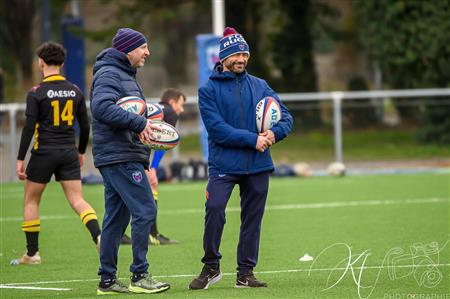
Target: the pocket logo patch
(137, 176)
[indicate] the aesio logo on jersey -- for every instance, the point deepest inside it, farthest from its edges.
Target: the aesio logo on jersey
(61, 93)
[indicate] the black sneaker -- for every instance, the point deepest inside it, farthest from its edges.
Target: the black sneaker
(125, 240)
(116, 287)
(207, 277)
(163, 240)
(160, 240)
(249, 281)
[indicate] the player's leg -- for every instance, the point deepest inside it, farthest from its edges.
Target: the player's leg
(218, 192)
(155, 237)
(32, 199)
(39, 171)
(74, 195)
(153, 181)
(31, 225)
(253, 192)
(68, 174)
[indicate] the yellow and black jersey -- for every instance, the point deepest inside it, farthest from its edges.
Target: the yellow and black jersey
(53, 107)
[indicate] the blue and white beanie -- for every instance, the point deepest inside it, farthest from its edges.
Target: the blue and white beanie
(231, 43)
(126, 40)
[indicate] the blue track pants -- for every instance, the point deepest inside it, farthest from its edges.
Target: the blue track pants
(127, 193)
(253, 192)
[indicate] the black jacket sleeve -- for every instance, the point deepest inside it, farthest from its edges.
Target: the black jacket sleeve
(31, 112)
(170, 116)
(83, 122)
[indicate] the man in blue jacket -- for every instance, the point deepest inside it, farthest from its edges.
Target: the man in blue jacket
(122, 158)
(237, 155)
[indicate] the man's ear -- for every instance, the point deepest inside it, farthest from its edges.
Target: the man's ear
(40, 63)
(171, 102)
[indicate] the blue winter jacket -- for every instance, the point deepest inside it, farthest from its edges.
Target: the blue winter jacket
(227, 105)
(114, 129)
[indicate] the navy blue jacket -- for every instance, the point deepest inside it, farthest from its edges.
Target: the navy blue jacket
(114, 129)
(227, 105)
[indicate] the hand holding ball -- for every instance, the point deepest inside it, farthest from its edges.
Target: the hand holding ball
(163, 137)
(156, 134)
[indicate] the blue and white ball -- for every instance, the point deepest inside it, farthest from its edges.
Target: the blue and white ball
(166, 138)
(133, 104)
(155, 112)
(268, 113)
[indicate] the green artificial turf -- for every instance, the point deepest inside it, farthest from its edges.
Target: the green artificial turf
(404, 215)
(358, 145)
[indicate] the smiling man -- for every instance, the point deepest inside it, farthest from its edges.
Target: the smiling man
(122, 160)
(238, 155)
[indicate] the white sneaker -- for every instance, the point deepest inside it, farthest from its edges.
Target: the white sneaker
(27, 260)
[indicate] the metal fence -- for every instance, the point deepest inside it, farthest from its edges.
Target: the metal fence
(336, 98)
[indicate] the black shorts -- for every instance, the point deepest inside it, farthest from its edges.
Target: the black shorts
(64, 163)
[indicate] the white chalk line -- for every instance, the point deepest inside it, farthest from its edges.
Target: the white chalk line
(319, 205)
(22, 284)
(33, 288)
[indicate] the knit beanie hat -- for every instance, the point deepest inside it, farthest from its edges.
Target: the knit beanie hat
(126, 40)
(231, 43)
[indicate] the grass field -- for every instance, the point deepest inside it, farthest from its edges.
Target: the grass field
(397, 227)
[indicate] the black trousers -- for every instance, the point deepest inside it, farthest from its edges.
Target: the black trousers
(253, 193)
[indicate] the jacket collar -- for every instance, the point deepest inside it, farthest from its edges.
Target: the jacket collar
(219, 74)
(115, 58)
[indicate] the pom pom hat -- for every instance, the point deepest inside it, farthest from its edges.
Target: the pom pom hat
(231, 43)
(126, 40)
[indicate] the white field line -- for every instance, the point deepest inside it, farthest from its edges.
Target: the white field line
(318, 205)
(228, 274)
(33, 288)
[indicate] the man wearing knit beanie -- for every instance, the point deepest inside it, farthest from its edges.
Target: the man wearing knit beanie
(133, 44)
(231, 44)
(122, 158)
(126, 40)
(238, 155)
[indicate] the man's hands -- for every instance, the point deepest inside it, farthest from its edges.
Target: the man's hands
(265, 140)
(147, 133)
(270, 135)
(20, 170)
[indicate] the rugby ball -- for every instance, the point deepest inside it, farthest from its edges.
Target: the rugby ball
(337, 169)
(132, 104)
(302, 169)
(268, 113)
(155, 112)
(167, 137)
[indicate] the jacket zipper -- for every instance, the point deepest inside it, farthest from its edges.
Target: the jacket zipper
(241, 106)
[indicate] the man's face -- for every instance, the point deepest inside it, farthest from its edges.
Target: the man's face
(137, 56)
(178, 105)
(236, 63)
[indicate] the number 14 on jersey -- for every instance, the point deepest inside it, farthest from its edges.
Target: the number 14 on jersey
(66, 114)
